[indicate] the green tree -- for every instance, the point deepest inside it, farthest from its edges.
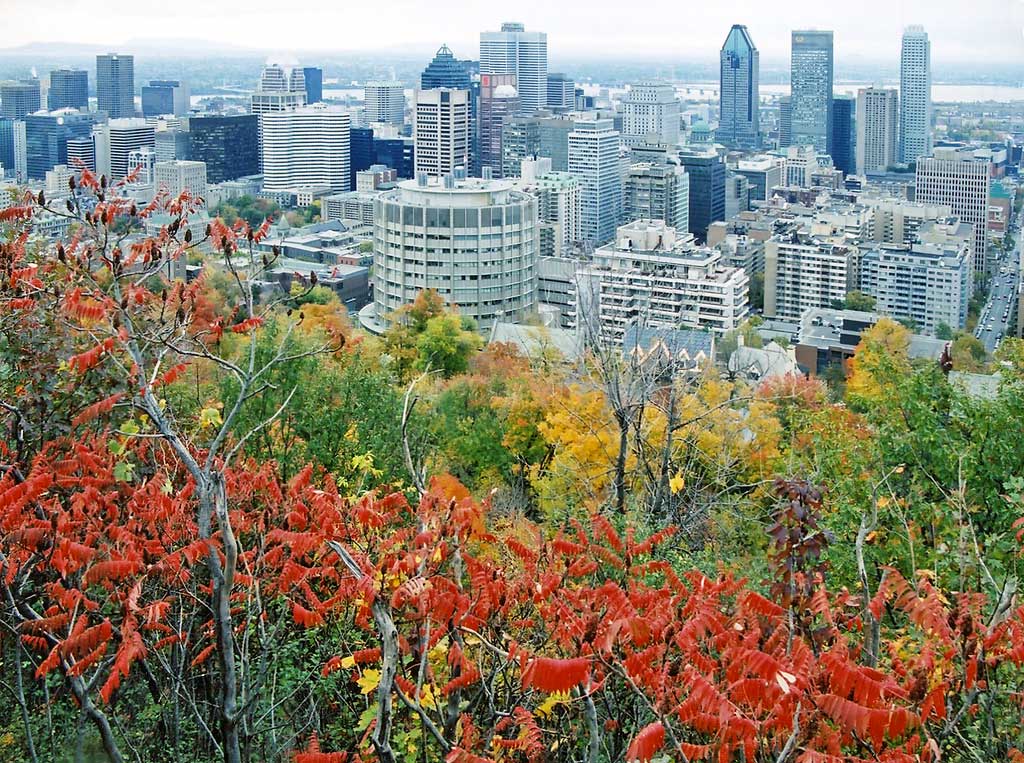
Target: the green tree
(858, 300)
(943, 331)
(445, 345)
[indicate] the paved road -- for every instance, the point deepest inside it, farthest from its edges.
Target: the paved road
(999, 311)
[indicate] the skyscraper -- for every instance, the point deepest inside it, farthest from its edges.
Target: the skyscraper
(272, 95)
(499, 102)
(441, 130)
(561, 92)
(658, 192)
(360, 153)
(308, 146)
(445, 70)
(594, 159)
(954, 177)
(314, 80)
(69, 89)
(18, 99)
(877, 112)
(844, 133)
(811, 79)
(915, 95)
(385, 102)
(513, 50)
(706, 170)
(127, 135)
(46, 139)
(229, 145)
(115, 85)
(739, 121)
(650, 113)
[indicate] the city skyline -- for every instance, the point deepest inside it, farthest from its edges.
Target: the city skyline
(685, 34)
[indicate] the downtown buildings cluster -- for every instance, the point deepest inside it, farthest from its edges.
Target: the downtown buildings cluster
(521, 197)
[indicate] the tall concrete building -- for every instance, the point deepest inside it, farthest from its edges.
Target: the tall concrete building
(928, 284)
(273, 95)
(594, 159)
(499, 103)
(706, 170)
(739, 123)
(651, 276)
(127, 135)
(115, 85)
(877, 118)
(650, 114)
(804, 271)
(811, 81)
(178, 176)
(658, 192)
(513, 50)
(955, 178)
(19, 99)
(385, 102)
(559, 211)
(915, 95)
(306, 147)
(69, 89)
(427, 235)
(441, 131)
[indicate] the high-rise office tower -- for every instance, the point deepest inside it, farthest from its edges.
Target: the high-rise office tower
(445, 70)
(308, 146)
(915, 95)
(385, 102)
(228, 145)
(499, 102)
(18, 99)
(273, 95)
(844, 133)
(115, 85)
(69, 89)
(650, 114)
(273, 79)
(785, 121)
(811, 80)
(594, 159)
(739, 121)
(127, 135)
(165, 96)
(360, 153)
(297, 80)
(561, 92)
(955, 178)
(441, 131)
(513, 50)
(313, 77)
(658, 192)
(706, 170)
(7, 145)
(877, 115)
(46, 136)
(171, 142)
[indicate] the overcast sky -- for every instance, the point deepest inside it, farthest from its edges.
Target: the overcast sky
(961, 31)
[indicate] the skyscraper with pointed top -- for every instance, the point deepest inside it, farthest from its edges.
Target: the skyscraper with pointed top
(739, 122)
(445, 70)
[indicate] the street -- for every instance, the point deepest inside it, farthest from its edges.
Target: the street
(1000, 309)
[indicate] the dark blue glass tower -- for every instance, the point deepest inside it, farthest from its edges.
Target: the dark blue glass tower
(228, 145)
(314, 77)
(360, 151)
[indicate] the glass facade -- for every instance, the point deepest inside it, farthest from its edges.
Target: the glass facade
(228, 145)
(811, 80)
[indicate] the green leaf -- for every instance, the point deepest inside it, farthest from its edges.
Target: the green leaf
(123, 471)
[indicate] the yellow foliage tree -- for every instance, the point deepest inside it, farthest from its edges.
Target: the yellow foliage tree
(880, 360)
